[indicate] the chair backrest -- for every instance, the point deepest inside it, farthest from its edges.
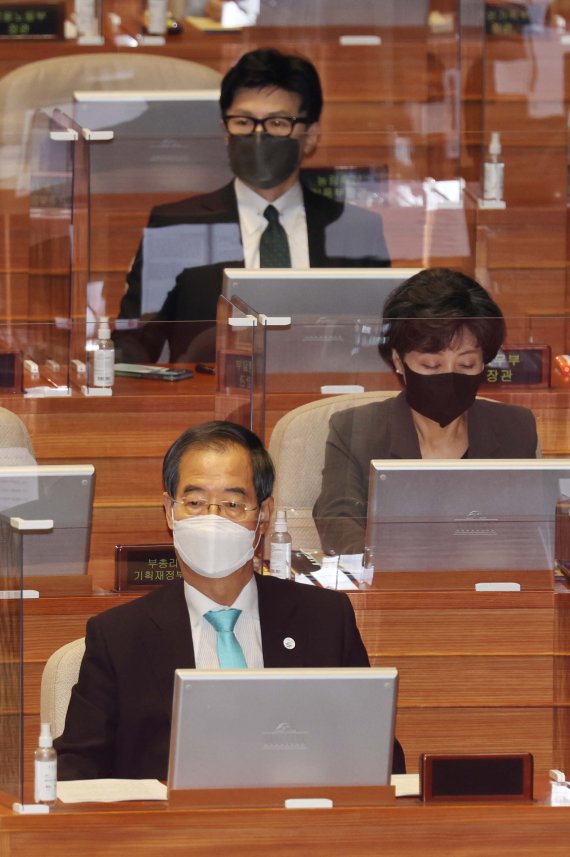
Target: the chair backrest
(297, 447)
(15, 443)
(60, 674)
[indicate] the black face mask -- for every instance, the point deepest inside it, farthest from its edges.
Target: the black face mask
(263, 161)
(441, 398)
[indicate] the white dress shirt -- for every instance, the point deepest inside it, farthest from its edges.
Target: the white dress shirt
(291, 216)
(247, 628)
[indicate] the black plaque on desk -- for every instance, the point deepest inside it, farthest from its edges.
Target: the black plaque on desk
(513, 367)
(139, 568)
(41, 20)
(476, 777)
(364, 186)
(10, 372)
(504, 19)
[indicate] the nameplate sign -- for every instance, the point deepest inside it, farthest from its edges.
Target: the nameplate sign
(528, 366)
(143, 567)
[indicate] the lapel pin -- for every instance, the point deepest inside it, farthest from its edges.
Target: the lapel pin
(289, 643)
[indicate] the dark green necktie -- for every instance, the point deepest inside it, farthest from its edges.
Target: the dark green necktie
(274, 246)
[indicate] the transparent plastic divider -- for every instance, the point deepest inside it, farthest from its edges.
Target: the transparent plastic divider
(177, 144)
(162, 248)
(11, 666)
(53, 171)
(530, 371)
(239, 361)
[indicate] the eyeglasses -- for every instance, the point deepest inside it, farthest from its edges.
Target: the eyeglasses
(275, 126)
(192, 506)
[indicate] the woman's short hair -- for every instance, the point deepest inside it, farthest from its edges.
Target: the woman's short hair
(428, 311)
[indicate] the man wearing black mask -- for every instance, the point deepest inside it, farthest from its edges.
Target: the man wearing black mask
(271, 105)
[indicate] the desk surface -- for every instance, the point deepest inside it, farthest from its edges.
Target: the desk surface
(406, 829)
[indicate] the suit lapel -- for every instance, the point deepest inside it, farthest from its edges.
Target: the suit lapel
(222, 204)
(168, 641)
(319, 214)
(483, 441)
(283, 639)
(403, 441)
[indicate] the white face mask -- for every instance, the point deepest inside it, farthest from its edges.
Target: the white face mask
(213, 546)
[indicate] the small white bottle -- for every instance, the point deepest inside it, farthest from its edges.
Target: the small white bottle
(45, 768)
(102, 357)
(281, 541)
(157, 12)
(494, 171)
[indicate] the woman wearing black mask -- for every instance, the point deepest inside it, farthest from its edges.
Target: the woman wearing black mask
(440, 330)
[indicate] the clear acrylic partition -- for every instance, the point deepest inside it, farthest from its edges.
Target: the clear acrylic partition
(240, 357)
(162, 151)
(391, 124)
(11, 669)
(530, 371)
(392, 155)
(48, 292)
(517, 82)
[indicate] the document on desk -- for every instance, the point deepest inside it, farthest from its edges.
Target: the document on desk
(108, 791)
(406, 785)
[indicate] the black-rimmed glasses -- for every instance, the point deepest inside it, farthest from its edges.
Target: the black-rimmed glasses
(275, 126)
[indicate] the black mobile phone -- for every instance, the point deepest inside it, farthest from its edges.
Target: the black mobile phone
(156, 373)
(303, 562)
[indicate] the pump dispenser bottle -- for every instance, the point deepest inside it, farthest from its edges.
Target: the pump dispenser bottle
(281, 541)
(45, 768)
(102, 357)
(494, 171)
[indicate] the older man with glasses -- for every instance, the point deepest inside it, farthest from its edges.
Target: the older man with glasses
(271, 105)
(218, 481)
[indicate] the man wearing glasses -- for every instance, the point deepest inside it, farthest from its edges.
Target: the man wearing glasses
(218, 480)
(271, 105)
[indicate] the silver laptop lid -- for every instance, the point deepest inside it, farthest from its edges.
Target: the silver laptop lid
(335, 315)
(62, 493)
(485, 514)
(316, 292)
(282, 727)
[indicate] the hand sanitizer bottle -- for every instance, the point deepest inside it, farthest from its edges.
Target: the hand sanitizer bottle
(102, 357)
(281, 541)
(45, 768)
(494, 171)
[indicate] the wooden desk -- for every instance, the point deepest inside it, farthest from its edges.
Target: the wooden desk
(404, 830)
(127, 435)
(479, 672)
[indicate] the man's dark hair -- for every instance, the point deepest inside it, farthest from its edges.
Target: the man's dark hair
(428, 311)
(220, 434)
(268, 67)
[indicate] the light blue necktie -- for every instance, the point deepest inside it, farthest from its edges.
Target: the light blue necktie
(230, 653)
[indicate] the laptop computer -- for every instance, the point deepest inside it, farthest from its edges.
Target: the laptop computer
(485, 514)
(282, 727)
(332, 316)
(62, 493)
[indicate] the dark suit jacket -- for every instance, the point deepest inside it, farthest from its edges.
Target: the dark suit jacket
(118, 721)
(386, 430)
(339, 236)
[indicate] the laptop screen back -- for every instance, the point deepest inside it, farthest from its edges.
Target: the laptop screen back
(335, 314)
(62, 493)
(282, 727)
(464, 515)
